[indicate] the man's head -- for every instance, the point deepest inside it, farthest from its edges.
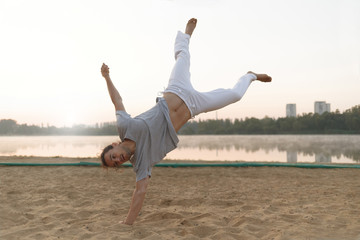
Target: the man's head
(115, 154)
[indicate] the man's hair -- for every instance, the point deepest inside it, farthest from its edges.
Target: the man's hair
(102, 156)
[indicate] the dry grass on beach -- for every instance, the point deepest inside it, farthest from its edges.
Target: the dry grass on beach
(181, 203)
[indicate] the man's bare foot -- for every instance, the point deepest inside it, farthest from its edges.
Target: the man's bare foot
(261, 77)
(190, 26)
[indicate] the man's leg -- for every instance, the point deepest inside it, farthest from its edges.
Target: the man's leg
(179, 82)
(180, 73)
(219, 98)
(199, 102)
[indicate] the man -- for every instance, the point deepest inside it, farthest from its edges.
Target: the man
(147, 138)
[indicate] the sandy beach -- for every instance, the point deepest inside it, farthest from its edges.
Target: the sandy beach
(182, 203)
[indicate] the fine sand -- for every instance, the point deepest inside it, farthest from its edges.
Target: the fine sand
(181, 203)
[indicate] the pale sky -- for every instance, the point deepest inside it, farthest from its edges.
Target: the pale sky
(51, 53)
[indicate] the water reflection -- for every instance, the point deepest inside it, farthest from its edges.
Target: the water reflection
(322, 158)
(297, 148)
(279, 148)
(49, 146)
(291, 156)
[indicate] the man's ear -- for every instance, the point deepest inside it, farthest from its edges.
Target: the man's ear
(114, 144)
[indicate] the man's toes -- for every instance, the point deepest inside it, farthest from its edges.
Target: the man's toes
(192, 20)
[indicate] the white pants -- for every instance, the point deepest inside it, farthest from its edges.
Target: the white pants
(199, 102)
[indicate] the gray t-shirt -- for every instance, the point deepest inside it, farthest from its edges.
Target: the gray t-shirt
(153, 133)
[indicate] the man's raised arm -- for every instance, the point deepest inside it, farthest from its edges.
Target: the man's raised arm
(113, 92)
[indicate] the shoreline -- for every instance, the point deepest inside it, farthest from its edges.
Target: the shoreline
(57, 159)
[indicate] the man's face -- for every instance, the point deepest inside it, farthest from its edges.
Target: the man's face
(117, 155)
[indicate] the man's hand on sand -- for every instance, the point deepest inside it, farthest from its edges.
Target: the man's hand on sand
(261, 77)
(124, 223)
(105, 70)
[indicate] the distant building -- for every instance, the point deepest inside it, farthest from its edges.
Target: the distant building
(321, 106)
(291, 110)
(328, 107)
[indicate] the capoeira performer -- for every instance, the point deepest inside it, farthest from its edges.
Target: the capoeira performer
(147, 138)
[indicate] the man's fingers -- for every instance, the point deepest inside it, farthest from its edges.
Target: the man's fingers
(124, 223)
(104, 68)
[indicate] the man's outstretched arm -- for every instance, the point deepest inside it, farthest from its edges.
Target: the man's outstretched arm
(137, 201)
(113, 92)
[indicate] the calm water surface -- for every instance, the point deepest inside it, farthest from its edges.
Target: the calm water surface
(262, 148)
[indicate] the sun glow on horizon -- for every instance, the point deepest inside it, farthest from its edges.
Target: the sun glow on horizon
(52, 53)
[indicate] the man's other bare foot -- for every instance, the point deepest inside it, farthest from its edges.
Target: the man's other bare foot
(190, 26)
(261, 77)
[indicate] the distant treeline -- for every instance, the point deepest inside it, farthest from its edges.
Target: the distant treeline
(10, 127)
(347, 122)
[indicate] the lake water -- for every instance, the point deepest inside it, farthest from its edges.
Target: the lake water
(251, 148)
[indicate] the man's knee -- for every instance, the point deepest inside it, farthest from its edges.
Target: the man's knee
(235, 96)
(184, 54)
